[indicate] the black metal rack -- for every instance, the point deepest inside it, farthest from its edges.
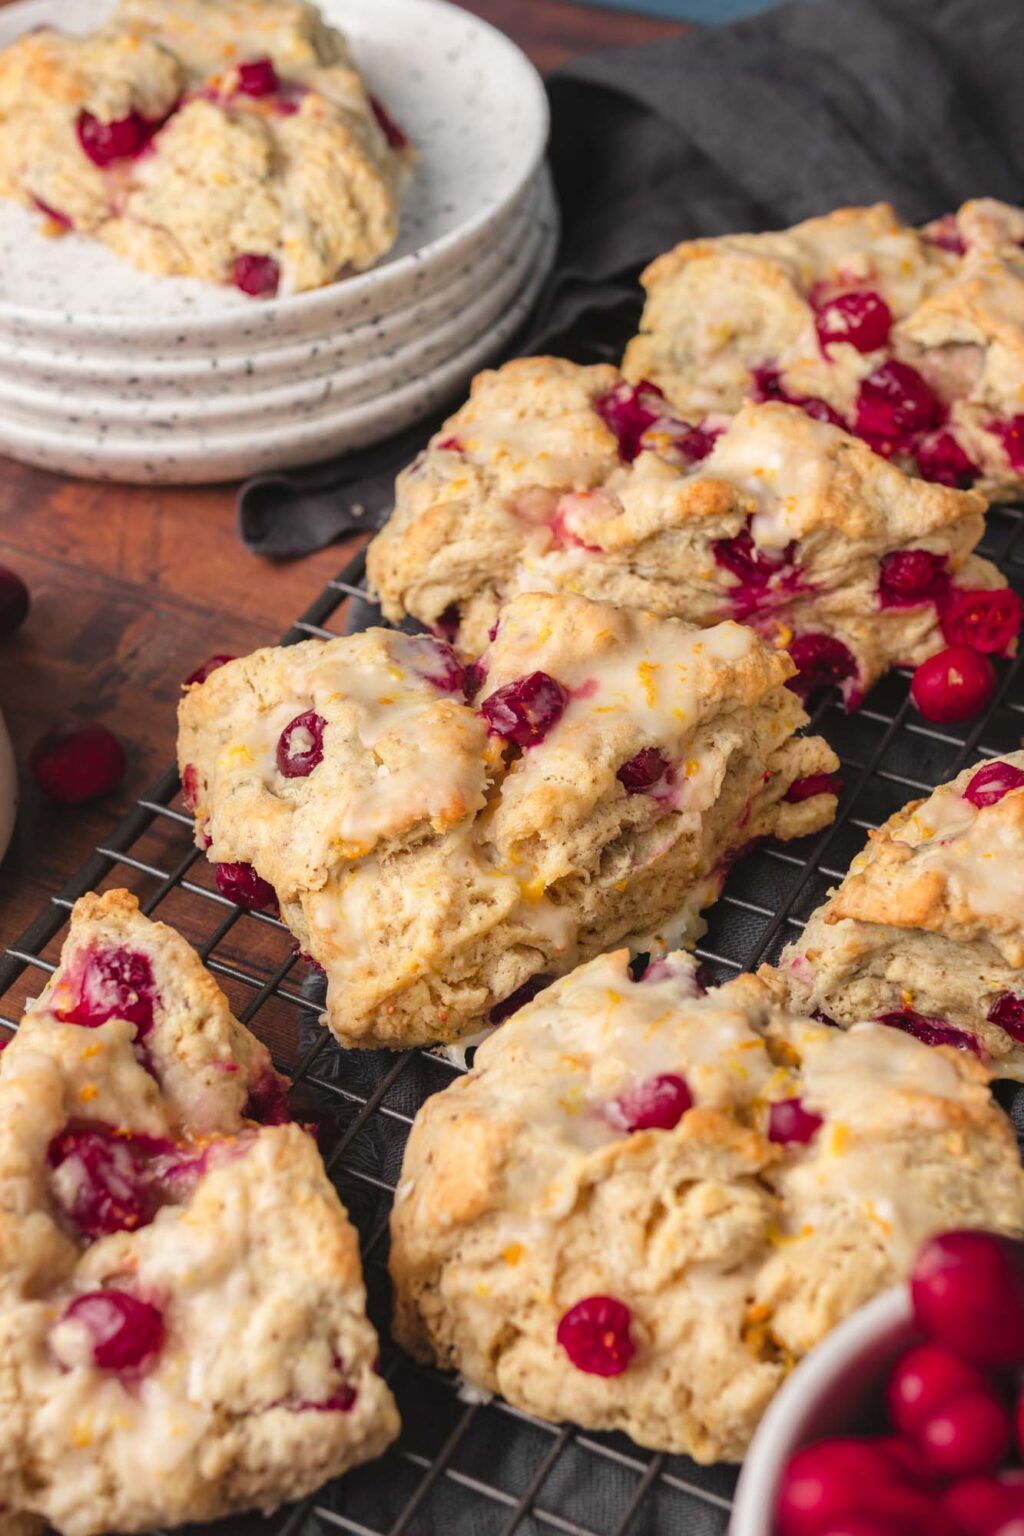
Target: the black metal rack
(463, 1465)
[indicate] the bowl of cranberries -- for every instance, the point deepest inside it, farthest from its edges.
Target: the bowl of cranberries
(909, 1419)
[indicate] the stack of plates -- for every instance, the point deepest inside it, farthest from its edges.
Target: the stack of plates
(114, 374)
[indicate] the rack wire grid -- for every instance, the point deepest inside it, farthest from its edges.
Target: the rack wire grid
(464, 1464)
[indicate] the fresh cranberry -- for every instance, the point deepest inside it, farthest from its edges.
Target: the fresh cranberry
(789, 1120)
(656, 1104)
(77, 761)
(922, 1380)
(628, 411)
(268, 1100)
(127, 1334)
(1011, 434)
(966, 1434)
(941, 459)
(258, 77)
(394, 135)
(813, 784)
(953, 685)
(14, 601)
(751, 566)
(879, 1521)
(210, 665)
(862, 319)
(968, 1295)
(894, 405)
(300, 746)
(980, 1505)
(119, 140)
(112, 984)
(928, 1030)
(526, 709)
(1008, 1012)
(519, 998)
(911, 576)
(987, 620)
(643, 771)
(54, 214)
(595, 1335)
(826, 1481)
(258, 276)
(190, 787)
(991, 783)
(108, 1190)
(768, 385)
(821, 661)
(241, 884)
(820, 410)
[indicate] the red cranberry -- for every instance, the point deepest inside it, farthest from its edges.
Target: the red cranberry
(526, 709)
(241, 884)
(450, 445)
(210, 665)
(656, 1104)
(987, 620)
(969, 1433)
(258, 276)
(55, 214)
(14, 601)
(643, 771)
(751, 566)
(190, 787)
(928, 1030)
(821, 661)
(923, 1380)
(826, 1481)
(595, 1335)
(257, 77)
(968, 1294)
(879, 1522)
(820, 410)
(1011, 434)
(1008, 1012)
(78, 761)
(113, 984)
(394, 135)
(980, 1505)
(268, 1100)
(911, 576)
(895, 404)
(768, 385)
(862, 319)
(109, 1191)
(119, 140)
(941, 459)
(127, 1334)
(300, 747)
(627, 411)
(789, 1121)
(953, 685)
(945, 234)
(519, 998)
(440, 666)
(991, 783)
(813, 784)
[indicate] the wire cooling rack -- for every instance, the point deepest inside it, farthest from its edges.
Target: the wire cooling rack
(463, 1466)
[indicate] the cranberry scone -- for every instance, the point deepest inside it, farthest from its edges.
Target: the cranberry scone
(231, 140)
(926, 933)
(913, 339)
(642, 1205)
(182, 1313)
(442, 838)
(560, 477)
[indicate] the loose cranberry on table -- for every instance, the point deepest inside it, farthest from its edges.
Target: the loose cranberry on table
(14, 601)
(954, 685)
(78, 761)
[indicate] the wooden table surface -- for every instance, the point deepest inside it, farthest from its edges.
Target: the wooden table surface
(133, 587)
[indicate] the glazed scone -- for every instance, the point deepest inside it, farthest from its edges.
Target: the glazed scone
(927, 930)
(556, 477)
(442, 840)
(914, 339)
(231, 140)
(182, 1313)
(643, 1205)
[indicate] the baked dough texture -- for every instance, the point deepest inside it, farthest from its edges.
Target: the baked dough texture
(928, 926)
(785, 522)
(745, 316)
(524, 1192)
(231, 140)
(434, 867)
(134, 1164)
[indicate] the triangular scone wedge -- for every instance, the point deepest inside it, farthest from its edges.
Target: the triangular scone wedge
(441, 838)
(556, 477)
(642, 1205)
(182, 1313)
(927, 929)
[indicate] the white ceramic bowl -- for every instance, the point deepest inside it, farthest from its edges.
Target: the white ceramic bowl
(8, 788)
(828, 1394)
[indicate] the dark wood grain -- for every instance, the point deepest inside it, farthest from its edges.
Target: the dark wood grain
(133, 587)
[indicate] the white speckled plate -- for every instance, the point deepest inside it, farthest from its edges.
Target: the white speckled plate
(471, 102)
